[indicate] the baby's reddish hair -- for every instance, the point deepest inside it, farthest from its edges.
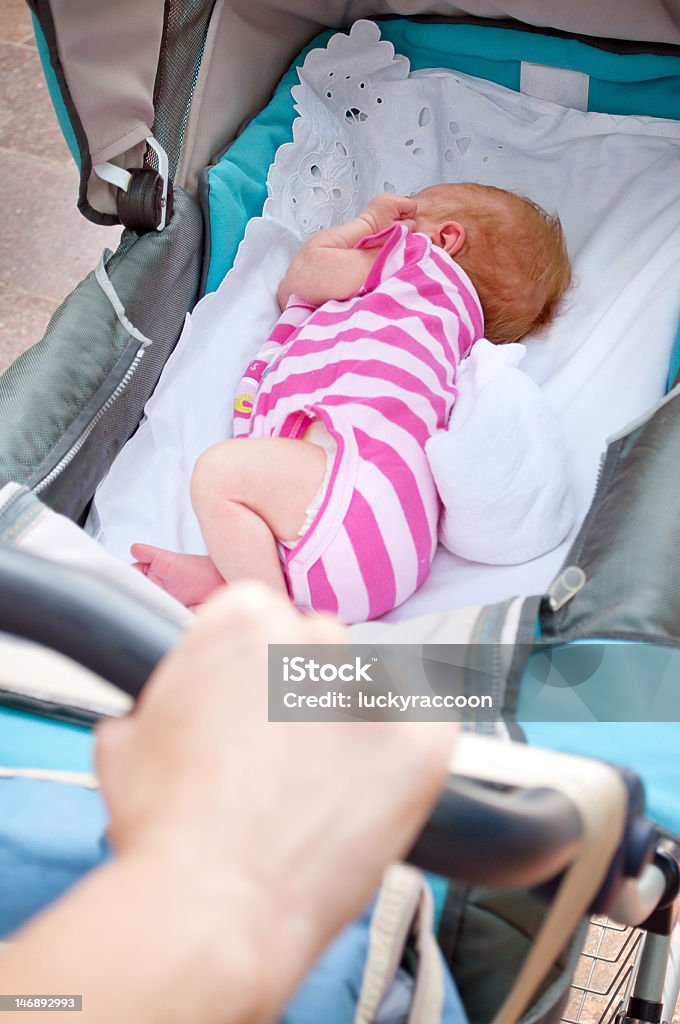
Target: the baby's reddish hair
(514, 253)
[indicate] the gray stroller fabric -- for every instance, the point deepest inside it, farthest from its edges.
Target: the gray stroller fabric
(104, 58)
(631, 589)
(184, 31)
(483, 926)
(82, 389)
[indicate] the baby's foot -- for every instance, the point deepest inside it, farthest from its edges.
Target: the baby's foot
(191, 579)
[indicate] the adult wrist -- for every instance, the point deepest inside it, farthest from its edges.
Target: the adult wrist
(199, 931)
(233, 940)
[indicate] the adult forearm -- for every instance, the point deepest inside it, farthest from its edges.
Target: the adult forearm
(142, 945)
(243, 845)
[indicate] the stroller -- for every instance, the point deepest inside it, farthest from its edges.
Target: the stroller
(584, 664)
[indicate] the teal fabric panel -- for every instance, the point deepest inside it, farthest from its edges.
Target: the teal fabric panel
(593, 680)
(27, 741)
(649, 748)
(439, 887)
(619, 84)
(566, 706)
(675, 362)
(238, 183)
(55, 94)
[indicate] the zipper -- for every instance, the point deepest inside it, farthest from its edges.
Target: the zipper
(70, 455)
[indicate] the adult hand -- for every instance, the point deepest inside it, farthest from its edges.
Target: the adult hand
(285, 826)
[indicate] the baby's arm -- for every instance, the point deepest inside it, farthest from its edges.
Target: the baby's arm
(329, 267)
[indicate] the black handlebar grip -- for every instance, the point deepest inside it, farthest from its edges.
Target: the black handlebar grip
(107, 631)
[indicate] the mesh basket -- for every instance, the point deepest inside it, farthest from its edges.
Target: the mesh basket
(605, 974)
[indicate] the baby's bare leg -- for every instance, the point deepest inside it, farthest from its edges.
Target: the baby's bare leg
(249, 491)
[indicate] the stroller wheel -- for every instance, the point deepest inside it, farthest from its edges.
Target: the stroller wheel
(140, 207)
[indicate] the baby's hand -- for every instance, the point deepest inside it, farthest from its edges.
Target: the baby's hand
(387, 209)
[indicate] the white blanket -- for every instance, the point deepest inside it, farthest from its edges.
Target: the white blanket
(612, 179)
(501, 467)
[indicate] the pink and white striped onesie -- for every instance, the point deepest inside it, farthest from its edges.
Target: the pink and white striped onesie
(378, 369)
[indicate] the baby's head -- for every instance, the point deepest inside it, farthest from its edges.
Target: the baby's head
(514, 253)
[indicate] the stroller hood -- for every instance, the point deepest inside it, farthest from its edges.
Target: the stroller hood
(119, 73)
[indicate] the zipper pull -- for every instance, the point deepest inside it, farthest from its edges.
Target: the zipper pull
(567, 585)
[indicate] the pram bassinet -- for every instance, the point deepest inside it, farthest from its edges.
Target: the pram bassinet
(98, 406)
(92, 405)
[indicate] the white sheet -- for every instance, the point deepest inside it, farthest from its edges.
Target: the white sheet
(615, 183)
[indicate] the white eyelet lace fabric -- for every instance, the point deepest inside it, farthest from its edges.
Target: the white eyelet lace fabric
(365, 126)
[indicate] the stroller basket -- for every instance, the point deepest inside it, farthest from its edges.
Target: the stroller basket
(605, 975)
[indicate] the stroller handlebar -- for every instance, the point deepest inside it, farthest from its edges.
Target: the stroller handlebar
(538, 831)
(538, 828)
(107, 631)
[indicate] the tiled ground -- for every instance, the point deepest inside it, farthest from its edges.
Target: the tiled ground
(603, 974)
(46, 246)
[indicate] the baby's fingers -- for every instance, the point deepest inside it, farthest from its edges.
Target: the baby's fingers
(405, 206)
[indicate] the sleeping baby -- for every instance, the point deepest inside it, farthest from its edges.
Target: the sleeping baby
(326, 492)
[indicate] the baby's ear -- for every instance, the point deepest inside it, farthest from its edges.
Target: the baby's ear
(451, 237)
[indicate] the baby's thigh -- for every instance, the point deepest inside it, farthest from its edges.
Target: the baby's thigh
(276, 477)
(380, 552)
